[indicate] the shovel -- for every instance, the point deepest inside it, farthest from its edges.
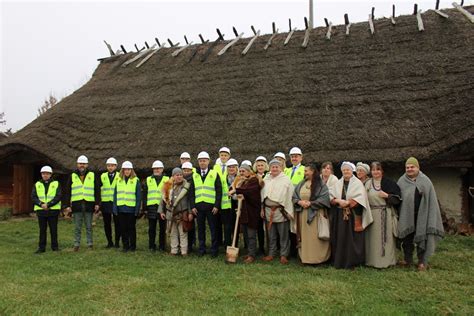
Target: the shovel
(232, 252)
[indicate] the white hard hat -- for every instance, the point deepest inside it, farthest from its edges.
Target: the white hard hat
(203, 155)
(224, 150)
(157, 164)
(295, 151)
(280, 155)
(261, 158)
(246, 162)
(82, 159)
(232, 162)
(187, 165)
(185, 155)
(47, 169)
(111, 161)
(127, 165)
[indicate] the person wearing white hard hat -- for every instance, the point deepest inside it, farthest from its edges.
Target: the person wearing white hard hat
(260, 167)
(296, 171)
(281, 158)
(82, 199)
(152, 195)
(185, 158)
(205, 195)
(46, 197)
(188, 171)
(350, 215)
(221, 168)
(127, 202)
(107, 183)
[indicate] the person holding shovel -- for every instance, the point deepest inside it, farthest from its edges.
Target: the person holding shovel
(250, 188)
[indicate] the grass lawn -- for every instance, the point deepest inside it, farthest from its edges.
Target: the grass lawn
(106, 281)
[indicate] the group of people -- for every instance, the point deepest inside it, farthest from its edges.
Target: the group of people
(301, 211)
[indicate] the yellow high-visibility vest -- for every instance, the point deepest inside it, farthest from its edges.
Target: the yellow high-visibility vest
(47, 197)
(126, 192)
(298, 176)
(154, 190)
(205, 192)
(107, 188)
(83, 191)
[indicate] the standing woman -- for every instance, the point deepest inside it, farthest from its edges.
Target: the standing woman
(327, 174)
(311, 199)
(363, 172)
(260, 167)
(127, 198)
(350, 215)
(250, 188)
(380, 243)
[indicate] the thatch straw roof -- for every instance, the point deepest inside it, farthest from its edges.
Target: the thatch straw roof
(386, 96)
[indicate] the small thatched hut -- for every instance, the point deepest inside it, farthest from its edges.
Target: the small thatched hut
(363, 97)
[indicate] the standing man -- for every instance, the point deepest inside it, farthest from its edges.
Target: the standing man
(152, 195)
(420, 222)
(277, 209)
(46, 197)
(82, 198)
(221, 168)
(296, 171)
(107, 183)
(205, 195)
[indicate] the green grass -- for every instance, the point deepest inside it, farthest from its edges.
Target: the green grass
(106, 281)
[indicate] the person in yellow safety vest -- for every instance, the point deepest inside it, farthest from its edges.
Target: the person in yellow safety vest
(228, 205)
(205, 194)
(107, 183)
(127, 199)
(296, 175)
(188, 171)
(185, 157)
(221, 168)
(46, 197)
(152, 196)
(82, 199)
(296, 171)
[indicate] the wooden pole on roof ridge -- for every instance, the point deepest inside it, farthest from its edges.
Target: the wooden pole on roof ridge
(209, 50)
(392, 18)
(441, 14)
(109, 47)
(153, 52)
(371, 21)
(231, 43)
(466, 13)
(257, 34)
(347, 23)
(419, 20)
(306, 33)
(290, 34)
(274, 33)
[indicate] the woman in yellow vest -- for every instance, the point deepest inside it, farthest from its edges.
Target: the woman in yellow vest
(46, 197)
(127, 198)
(152, 195)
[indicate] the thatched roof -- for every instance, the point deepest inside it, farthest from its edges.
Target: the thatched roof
(386, 96)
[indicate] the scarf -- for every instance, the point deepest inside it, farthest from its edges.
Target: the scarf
(320, 199)
(279, 189)
(429, 225)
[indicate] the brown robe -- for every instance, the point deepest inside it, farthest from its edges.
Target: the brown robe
(251, 205)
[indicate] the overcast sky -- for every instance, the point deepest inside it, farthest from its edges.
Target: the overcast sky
(52, 47)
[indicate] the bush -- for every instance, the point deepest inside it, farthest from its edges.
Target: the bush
(5, 213)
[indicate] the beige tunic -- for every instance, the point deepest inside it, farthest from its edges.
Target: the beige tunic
(313, 250)
(380, 254)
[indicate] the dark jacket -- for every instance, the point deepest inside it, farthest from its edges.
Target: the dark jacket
(217, 187)
(252, 204)
(127, 209)
(55, 200)
(79, 206)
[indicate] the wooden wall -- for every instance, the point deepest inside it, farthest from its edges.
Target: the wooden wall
(22, 186)
(6, 186)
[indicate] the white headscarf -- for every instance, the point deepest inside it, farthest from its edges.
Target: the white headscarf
(350, 164)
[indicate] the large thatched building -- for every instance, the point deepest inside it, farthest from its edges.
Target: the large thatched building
(362, 96)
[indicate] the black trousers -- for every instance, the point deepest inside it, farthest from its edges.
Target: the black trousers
(43, 222)
(261, 235)
(192, 237)
(108, 219)
(128, 230)
(408, 247)
(219, 230)
(228, 221)
(205, 212)
(152, 223)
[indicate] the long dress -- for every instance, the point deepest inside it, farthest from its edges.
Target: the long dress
(348, 246)
(313, 250)
(380, 242)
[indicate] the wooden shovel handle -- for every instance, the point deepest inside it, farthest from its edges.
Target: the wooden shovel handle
(239, 207)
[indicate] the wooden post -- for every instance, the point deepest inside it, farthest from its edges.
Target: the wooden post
(328, 33)
(179, 50)
(347, 23)
(138, 56)
(257, 34)
(123, 49)
(269, 42)
(306, 34)
(421, 27)
(466, 13)
(287, 40)
(111, 51)
(392, 18)
(371, 24)
(153, 52)
(209, 50)
(229, 45)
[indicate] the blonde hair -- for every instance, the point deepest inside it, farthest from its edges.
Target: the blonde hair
(132, 174)
(254, 167)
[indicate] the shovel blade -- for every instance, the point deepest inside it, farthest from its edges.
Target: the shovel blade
(232, 254)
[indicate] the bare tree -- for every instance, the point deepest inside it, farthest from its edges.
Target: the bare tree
(3, 121)
(48, 104)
